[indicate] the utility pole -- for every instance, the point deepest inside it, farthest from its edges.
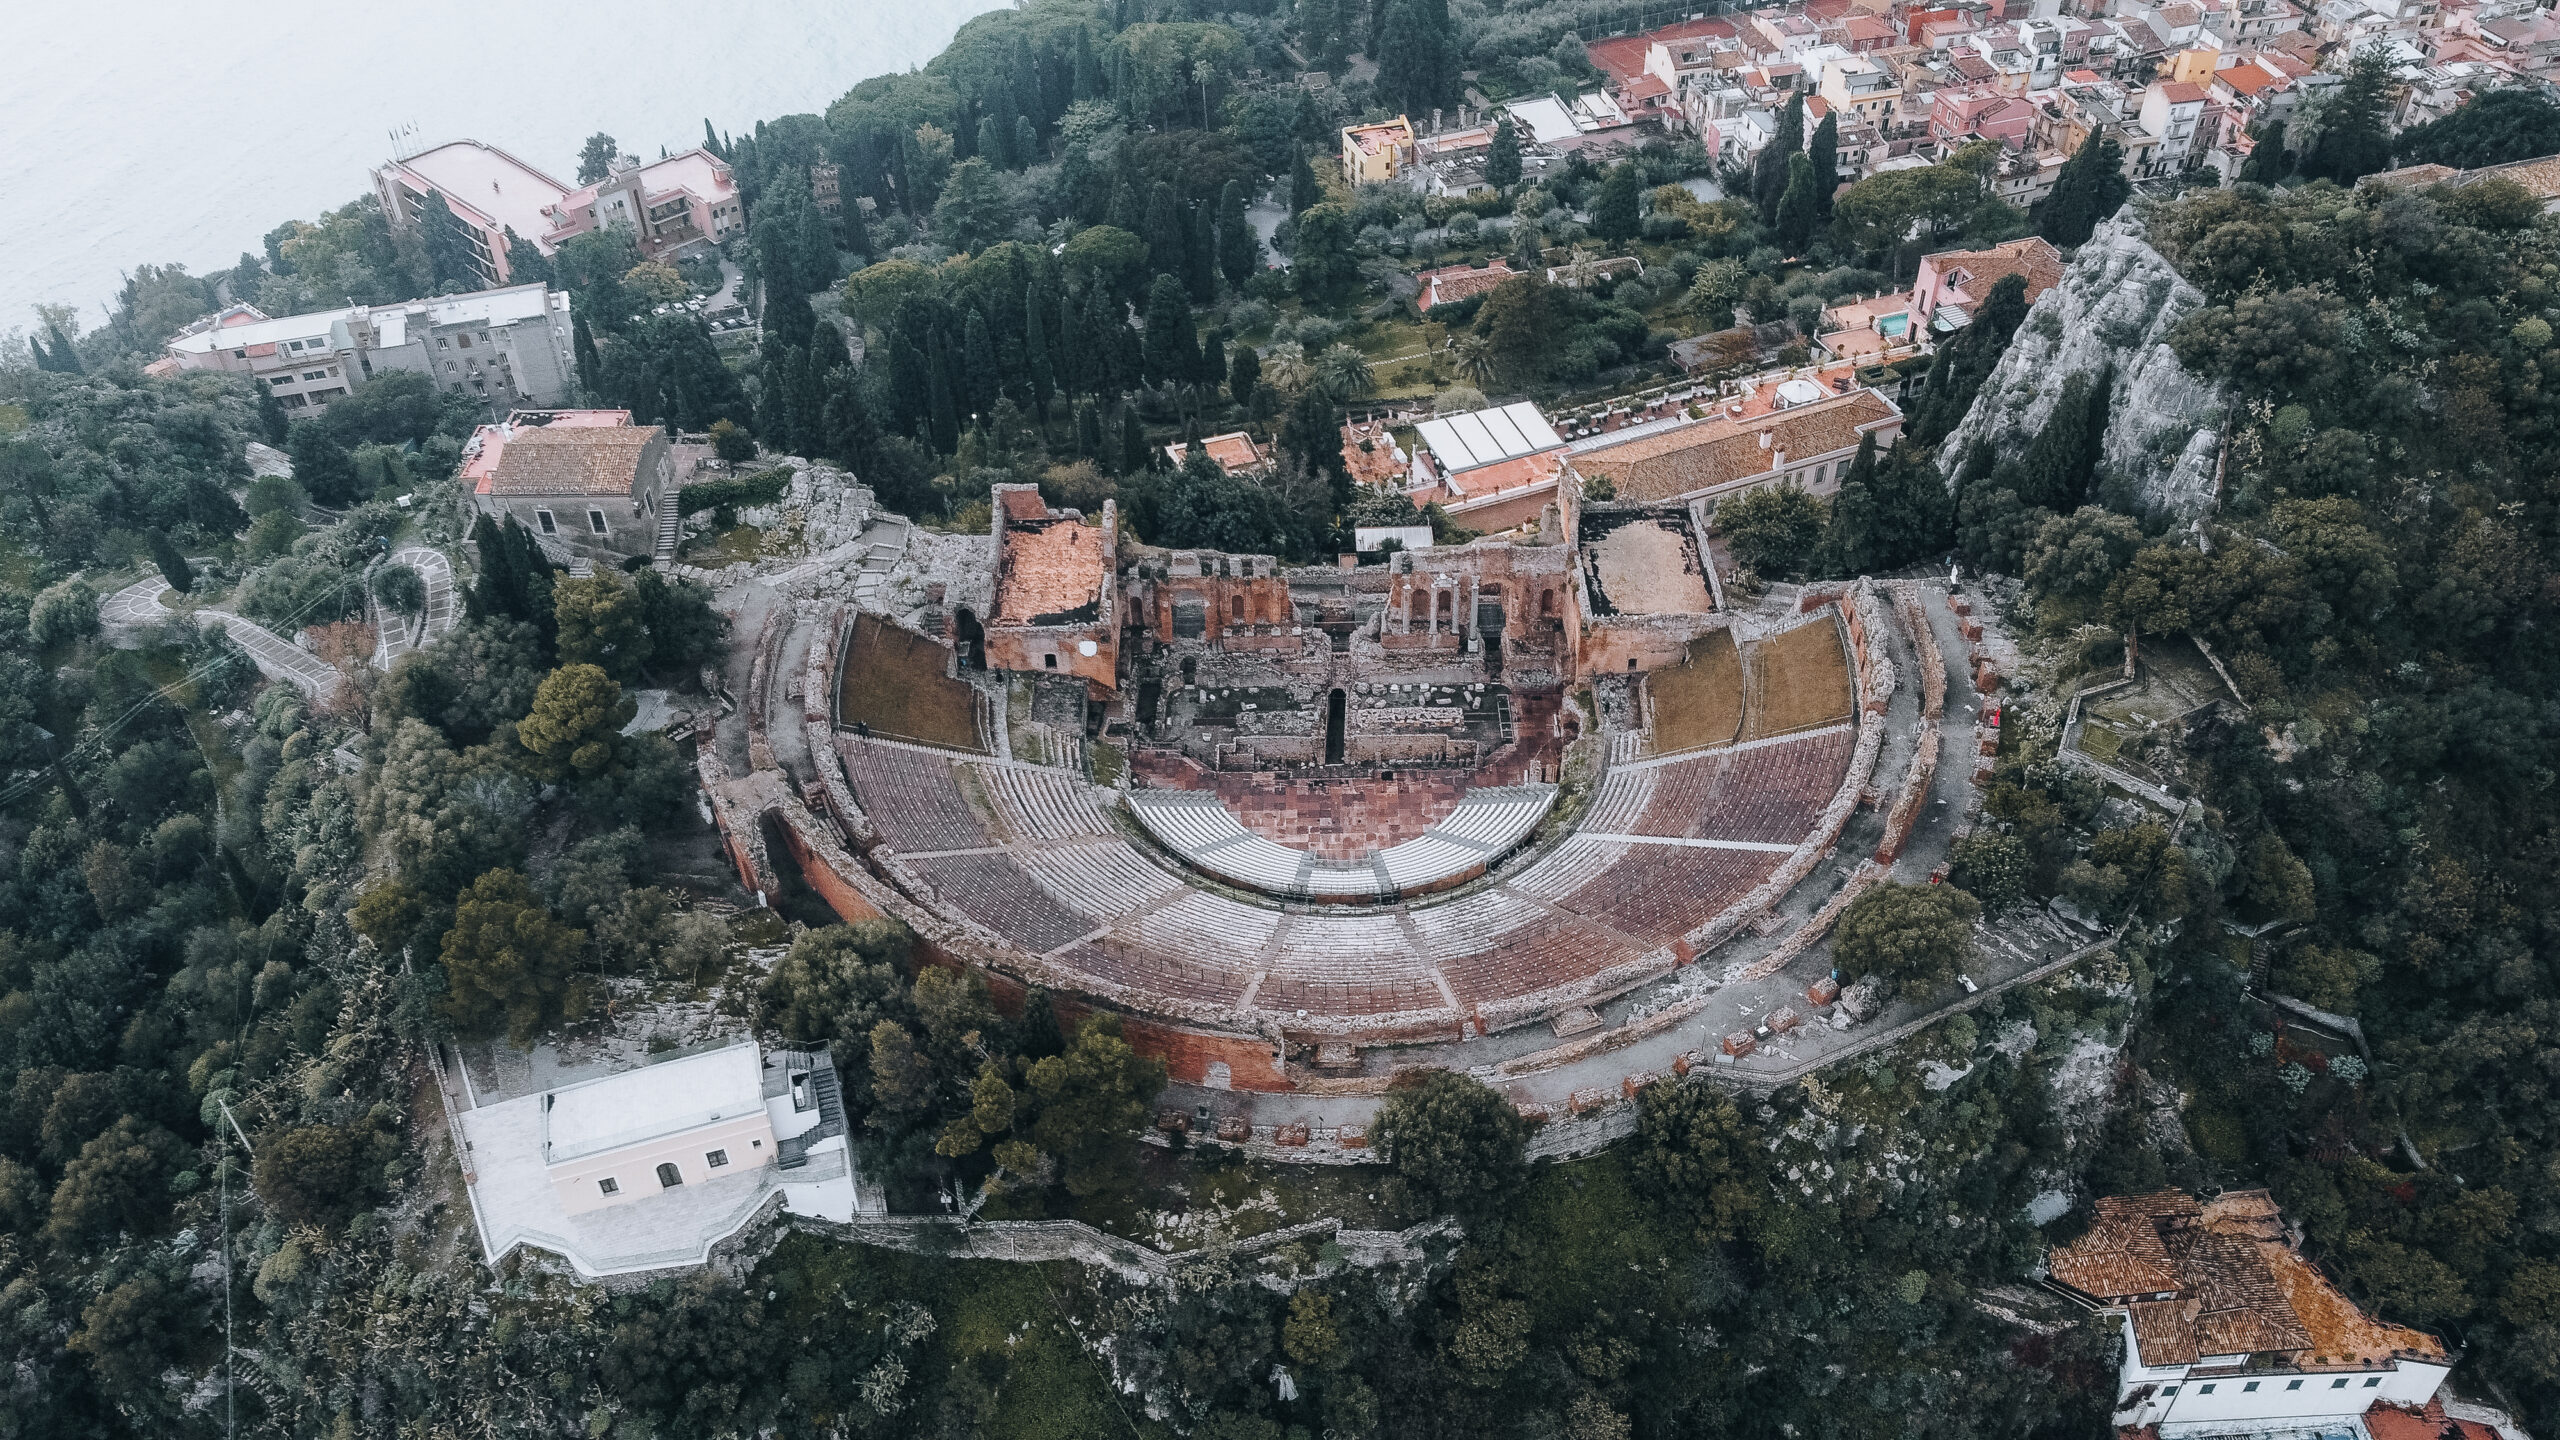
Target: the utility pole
(230, 1383)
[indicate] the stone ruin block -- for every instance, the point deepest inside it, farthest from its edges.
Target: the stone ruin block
(1972, 630)
(1986, 676)
(1823, 991)
(1173, 1122)
(1991, 743)
(1739, 1044)
(1681, 1063)
(1337, 1055)
(1635, 1082)
(1235, 1129)
(1293, 1134)
(1960, 605)
(1574, 1020)
(1352, 1137)
(1584, 1102)
(1531, 1111)
(1784, 1019)
(1862, 1001)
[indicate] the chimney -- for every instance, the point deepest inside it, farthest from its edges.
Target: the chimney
(1764, 439)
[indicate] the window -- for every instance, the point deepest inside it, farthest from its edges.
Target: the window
(2205, 1389)
(595, 521)
(443, 344)
(668, 1176)
(293, 345)
(1050, 660)
(2293, 1384)
(609, 1185)
(2168, 1389)
(2252, 1385)
(543, 519)
(2370, 1383)
(315, 374)
(466, 341)
(716, 1159)
(2337, 1384)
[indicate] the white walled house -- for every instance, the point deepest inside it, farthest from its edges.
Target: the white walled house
(650, 1168)
(2227, 1328)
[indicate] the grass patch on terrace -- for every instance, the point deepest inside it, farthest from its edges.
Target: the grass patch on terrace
(894, 684)
(1699, 701)
(1799, 681)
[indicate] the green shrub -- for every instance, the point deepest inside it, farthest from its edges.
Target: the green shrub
(761, 488)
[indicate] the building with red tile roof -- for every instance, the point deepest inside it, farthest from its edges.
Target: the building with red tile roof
(1450, 284)
(1963, 278)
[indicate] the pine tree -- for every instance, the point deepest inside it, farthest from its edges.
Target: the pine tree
(1797, 208)
(2355, 136)
(1826, 165)
(1615, 214)
(1769, 167)
(711, 138)
(1502, 160)
(1239, 250)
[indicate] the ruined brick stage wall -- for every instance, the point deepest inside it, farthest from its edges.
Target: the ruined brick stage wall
(1650, 642)
(818, 728)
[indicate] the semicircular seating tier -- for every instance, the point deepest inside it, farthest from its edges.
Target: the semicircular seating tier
(1025, 857)
(1487, 824)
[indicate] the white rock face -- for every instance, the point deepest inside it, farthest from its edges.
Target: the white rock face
(2115, 306)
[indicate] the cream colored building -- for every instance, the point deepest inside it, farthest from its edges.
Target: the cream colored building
(1375, 153)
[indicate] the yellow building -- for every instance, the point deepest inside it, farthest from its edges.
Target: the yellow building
(2194, 66)
(1371, 153)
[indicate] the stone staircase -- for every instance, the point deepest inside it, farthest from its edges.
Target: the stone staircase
(884, 543)
(670, 530)
(561, 555)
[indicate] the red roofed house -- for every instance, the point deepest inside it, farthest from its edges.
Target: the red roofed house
(1958, 280)
(1959, 115)
(1623, 57)
(2229, 1330)
(1646, 97)
(587, 483)
(1452, 283)
(1234, 451)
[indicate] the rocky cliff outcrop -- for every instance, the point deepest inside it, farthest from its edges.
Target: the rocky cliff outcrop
(2113, 309)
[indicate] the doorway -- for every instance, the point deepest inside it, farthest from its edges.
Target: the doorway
(1336, 708)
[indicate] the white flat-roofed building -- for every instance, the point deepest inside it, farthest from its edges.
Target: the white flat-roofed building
(510, 347)
(648, 1169)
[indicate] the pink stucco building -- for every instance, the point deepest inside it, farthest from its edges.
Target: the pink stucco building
(670, 205)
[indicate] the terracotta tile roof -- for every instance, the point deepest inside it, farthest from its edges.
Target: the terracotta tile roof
(1054, 570)
(2395, 1422)
(2179, 92)
(1452, 283)
(2238, 1288)
(1724, 449)
(1507, 474)
(2034, 258)
(1234, 451)
(572, 460)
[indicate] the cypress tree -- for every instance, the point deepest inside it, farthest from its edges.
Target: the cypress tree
(943, 410)
(1313, 437)
(1168, 239)
(809, 400)
(1769, 167)
(992, 140)
(1170, 351)
(1238, 248)
(449, 258)
(1826, 165)
(1200, 254)
(582, 344)
(1035, 350)
(1244, 374)
(1089, 431)
(910, 384)
(1026, 142)
(1133, 442)
(2090, 188)
(66, 360)
(1303, 189)
(978, 363)
(1850, 539)
(271, 417)
(173, 566)
(1502, 160)
(2055, 472)
(775, 419)
(846, 421)
(1797, 208)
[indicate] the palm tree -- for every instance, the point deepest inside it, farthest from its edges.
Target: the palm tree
(1342, 373)
(1285, 370)
(1473, 356)
(1582, 269)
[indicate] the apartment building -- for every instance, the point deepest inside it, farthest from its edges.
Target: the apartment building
(1372, 154)
(671, 206)
(509, 347)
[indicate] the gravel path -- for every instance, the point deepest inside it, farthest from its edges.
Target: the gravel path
(399, 637)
